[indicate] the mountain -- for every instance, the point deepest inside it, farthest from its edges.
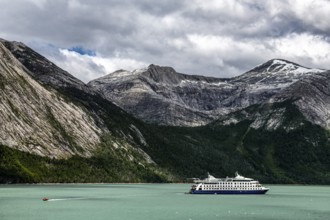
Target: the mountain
(54, 128)
(279, 80)
(312, 97)
(276, 71)
(52, 123)
(271, 122)
(33, 117)
(160, 95)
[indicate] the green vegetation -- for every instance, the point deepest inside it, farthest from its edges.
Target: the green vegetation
(297, 152)
(26, 85)
(14, 109)
(62, 133)
(2, 83)
(21, 167)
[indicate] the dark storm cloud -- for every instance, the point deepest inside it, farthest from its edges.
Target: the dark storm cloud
(219, 38)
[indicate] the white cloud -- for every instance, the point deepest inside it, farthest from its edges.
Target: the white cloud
(217, 37)
(311, 50)
(311, 12)
(39, 3)
(87, 67)
(303, 48)
(239, 9)
(80, 66)
(210, 45)
(223, 50)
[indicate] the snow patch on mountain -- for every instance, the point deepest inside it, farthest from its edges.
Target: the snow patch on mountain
(291, 68)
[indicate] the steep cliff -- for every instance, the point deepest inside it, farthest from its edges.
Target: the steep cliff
(41, 68)
(69, 132)
(38, 120)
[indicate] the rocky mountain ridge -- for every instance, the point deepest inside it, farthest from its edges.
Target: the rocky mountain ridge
(312, 96)
(33, 117)
(47, 72)
(54, 128)
(49, 100)
(161, 95)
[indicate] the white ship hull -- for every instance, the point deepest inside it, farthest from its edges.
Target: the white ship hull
(236, 185)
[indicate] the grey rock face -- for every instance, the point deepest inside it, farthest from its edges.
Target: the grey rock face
(36, 116)
(312, 96)
(163, 96)
(39, 120)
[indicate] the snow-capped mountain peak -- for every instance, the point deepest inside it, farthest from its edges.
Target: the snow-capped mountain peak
(276, 70)
(282, 66)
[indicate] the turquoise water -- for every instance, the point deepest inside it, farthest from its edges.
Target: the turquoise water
(158, 201)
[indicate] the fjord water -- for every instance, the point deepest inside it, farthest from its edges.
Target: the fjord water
(158, 201)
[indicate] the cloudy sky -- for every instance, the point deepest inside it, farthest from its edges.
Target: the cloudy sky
(222, 38)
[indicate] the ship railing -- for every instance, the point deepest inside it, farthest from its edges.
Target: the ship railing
(212, 180)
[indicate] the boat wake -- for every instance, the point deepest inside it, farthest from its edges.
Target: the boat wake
(64, 199)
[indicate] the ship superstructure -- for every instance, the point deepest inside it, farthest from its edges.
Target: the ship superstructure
(229, 185)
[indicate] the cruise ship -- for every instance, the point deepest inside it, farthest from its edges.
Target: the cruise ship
(229, 185)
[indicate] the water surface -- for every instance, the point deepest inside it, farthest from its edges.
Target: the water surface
(158, 201)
